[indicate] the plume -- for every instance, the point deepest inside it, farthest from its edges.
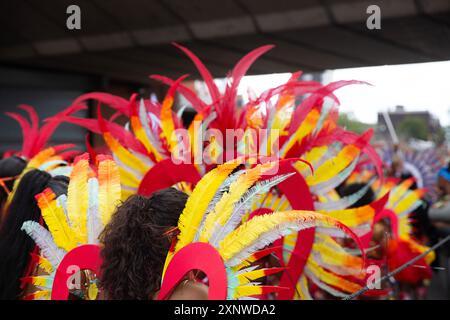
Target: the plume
(77, 197)
(43, 238)
(197, 203)
(56, 220)
(109, 191)
(225, 205)
(93, 218)
(243, 205)
(264, 230)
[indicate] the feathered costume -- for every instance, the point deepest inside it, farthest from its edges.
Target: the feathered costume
(423, 165)
(402, 246)
(285, 130)
(214, 239)
(51, 159)
(74, 222)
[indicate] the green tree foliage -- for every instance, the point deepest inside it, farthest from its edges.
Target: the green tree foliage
(413, 127)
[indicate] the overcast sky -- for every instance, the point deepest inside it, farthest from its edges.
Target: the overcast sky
(423, 86)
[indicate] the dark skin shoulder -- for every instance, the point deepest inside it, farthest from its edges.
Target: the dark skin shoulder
(189, 290)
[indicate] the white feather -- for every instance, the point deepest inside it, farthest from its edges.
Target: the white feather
(61, 171)
(52, 163)
(62, 202)
(324, 286)
(324, 187)
(268, 238)
(222, 189)
(143, 118)
(93, 218)
(44, 240)
(344, 202)
(244, 205)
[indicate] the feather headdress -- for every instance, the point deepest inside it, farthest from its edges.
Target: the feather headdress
(306, 130)
(422, 165)
(147, 146)
(51, 160)
(73, 220)
(35, 138)
(213, 217)
(404, 245)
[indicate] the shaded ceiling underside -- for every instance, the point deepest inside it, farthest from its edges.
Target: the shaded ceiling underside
(128, 40)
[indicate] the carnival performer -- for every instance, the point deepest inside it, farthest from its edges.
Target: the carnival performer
(16, 248)
(74, 223)
(147, 151)
(135, 244)
(215, 240)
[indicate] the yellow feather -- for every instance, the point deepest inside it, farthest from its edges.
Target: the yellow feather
(38, 295)
(303, 130)
(301, 291)
(125, 156)
(311, 157)
(40, 281)
(352, 217)
(77, 199)
(41, 157)
(128, 179)
(167, 125)
(127, 193)
(338, 257)
(251, 231)
(247, 277)
(399, 191)
(331, 278)
(244, 291)
(333, 166)
(407, 201)
(45, 265)
(198, 202)
(56, 220)
(34, 163)
(109, 191)
(225, 205)
(194, 137)
(142, 137)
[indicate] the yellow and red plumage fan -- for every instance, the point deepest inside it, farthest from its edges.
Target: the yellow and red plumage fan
(213, 215)
(75, 219)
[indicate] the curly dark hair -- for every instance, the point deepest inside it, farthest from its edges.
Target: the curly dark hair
(135, 244)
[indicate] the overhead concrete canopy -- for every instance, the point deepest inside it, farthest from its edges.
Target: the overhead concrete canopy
(128, 40)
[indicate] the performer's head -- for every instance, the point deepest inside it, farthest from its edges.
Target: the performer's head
(10, 168)
(136, 243)
(16, 245)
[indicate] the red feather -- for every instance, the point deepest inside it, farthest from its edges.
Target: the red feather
(115, 102)
(204, 72)
(26, 132)
(191, 96)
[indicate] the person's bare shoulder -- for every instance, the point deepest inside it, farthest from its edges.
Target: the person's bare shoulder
(190, 290)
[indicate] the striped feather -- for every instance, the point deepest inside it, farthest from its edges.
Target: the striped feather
(224, 207)
(94, 222)
(42, 263)
(109, 192)
(264, 230)
(199, 200)
(56, 220)
(77, 197)
(43, 238)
